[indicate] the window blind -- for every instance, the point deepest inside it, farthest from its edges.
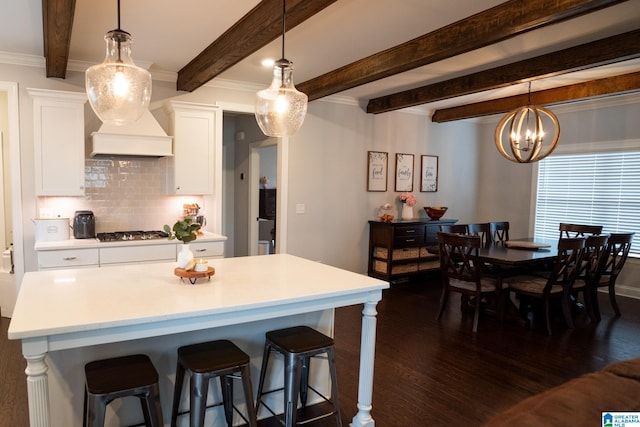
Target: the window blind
(593, 188)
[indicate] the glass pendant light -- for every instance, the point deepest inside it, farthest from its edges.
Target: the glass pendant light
(119, 91)
(280, 109)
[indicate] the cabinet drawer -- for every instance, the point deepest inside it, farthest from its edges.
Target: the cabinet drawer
(414, 231)
(136, 254)
(69, 258)
(207, 249)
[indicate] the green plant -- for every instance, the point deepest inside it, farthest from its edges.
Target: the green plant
(184, 230)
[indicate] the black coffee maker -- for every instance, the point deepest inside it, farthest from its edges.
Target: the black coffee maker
(84, 225)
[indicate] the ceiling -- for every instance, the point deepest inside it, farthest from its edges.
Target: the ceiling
(169, 34)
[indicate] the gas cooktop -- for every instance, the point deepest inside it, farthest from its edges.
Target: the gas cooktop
(118, 236)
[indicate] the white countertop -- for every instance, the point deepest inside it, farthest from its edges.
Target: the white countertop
(206, 236)
(58, 302)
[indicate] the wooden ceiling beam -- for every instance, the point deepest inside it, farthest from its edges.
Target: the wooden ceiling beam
(601, 52)
(57, 21)
(490, 26)
(564, 94)
(256, 29)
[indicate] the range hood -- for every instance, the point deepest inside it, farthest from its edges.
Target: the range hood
(142, 138)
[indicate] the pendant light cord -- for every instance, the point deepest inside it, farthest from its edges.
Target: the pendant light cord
(118, 14)
(284, 28)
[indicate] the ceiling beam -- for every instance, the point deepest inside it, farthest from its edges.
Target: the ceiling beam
(490, 26)
(57, 21)
(564, 94)
(256, 29)
(602, 52)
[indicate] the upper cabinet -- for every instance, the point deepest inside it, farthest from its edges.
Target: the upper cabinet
(194, 128)
(58, 134)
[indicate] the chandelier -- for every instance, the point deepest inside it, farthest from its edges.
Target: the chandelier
(524, 129)
(280, 109)
(119, 91)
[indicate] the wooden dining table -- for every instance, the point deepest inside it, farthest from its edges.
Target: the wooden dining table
(502, 255)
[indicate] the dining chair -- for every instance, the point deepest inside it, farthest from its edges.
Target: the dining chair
(578, 230)
(460, 271)
(559, 283)
(616, 253)
(483, 230)
(454, 228)
(594, 256)
(499, 231)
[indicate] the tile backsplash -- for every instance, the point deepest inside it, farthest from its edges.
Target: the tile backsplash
(124, 194)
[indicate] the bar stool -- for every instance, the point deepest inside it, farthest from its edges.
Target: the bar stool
(207, 360)
(110, 379)
(298, 344)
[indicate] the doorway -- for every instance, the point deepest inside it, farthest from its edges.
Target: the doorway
(11, 208)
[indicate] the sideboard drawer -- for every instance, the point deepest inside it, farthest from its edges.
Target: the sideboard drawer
(410, 231)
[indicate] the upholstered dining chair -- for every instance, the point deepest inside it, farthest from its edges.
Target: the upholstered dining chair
(460, 272)
(578, 230)
(499, 231)
(558, 285)
(616, 253)
(454, 228)
(594, 255)
(483, 230)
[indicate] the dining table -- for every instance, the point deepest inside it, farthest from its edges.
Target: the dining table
(524, 253)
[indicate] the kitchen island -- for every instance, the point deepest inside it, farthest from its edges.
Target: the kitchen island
(65, 318)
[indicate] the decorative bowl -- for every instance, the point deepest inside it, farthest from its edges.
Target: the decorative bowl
(435, 212)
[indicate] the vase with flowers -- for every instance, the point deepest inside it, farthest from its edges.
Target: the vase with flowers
(408, 201)
(185, 230)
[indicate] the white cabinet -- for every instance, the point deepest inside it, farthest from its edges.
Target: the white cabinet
(195, 128)
(137, 254)
(58, 119)
(207, 249)
(68, 258)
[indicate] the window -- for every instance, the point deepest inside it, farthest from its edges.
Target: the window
(589, 188)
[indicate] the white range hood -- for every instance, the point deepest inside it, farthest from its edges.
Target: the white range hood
(142, 138)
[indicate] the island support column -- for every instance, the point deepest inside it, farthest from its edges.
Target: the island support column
(34, 351)
(367, 355)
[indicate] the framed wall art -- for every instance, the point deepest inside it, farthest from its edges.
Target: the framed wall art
(429, 174)
(404, 172)
(377, 166)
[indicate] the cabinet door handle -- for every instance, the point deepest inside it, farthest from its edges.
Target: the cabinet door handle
(410, 240)
(68, 258)
(201, 250)
(411, 231)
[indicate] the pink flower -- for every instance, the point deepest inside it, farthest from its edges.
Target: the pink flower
(408, 198)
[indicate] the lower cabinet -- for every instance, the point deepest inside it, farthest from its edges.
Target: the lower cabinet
(68, 258)
(125, 254)
(137, 254)
(400, 249)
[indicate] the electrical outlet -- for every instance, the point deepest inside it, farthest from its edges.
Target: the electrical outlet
(300, 208)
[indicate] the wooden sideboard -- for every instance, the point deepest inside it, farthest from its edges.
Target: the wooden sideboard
(399, 249)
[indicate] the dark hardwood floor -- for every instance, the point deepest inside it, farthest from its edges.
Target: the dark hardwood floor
(429, 372)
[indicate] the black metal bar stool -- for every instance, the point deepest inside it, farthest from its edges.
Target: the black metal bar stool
(110, 379)
(207, 360)
(298, 344)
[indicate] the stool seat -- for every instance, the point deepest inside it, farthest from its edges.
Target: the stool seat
(212, 356)
(118, 377)
(121, 373)
(299, 339)
(298, 345)
(207, 360)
